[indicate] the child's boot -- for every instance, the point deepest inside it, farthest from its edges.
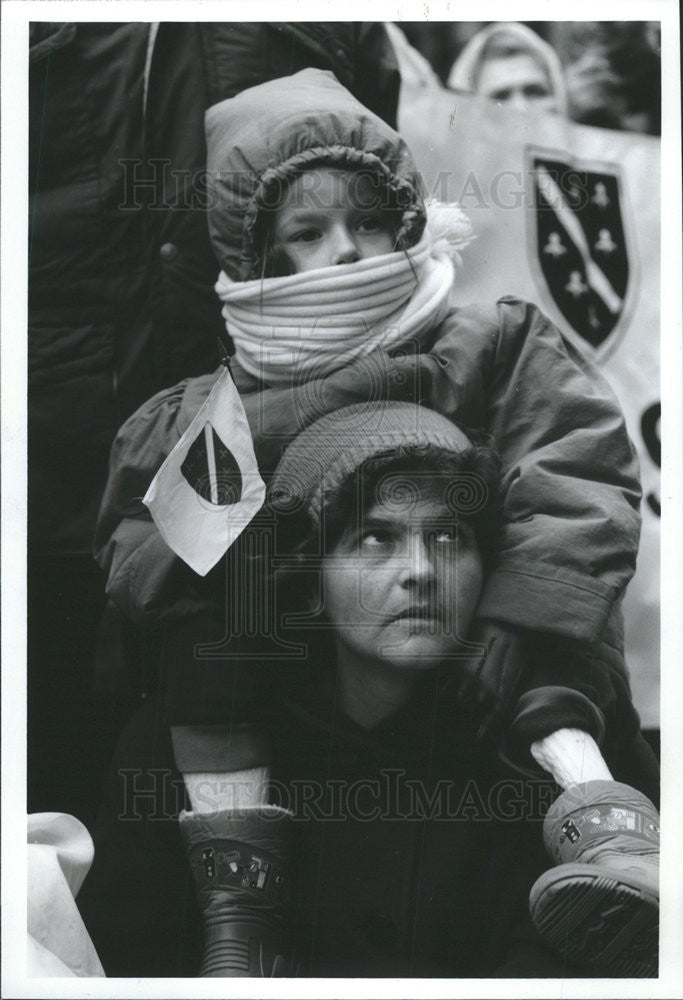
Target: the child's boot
(239, 861)
(600, 905)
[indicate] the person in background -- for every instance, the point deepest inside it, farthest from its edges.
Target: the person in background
(508, 63)
(613, 73)
(121, 304)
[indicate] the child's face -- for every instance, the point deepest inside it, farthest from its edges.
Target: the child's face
(330, 216)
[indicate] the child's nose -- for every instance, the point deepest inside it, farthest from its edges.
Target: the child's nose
(343, 249)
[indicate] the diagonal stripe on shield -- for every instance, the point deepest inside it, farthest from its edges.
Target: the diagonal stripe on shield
(581, 244)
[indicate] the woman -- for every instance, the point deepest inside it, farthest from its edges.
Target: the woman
(393, 842)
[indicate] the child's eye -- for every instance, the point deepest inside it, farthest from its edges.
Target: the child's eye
(305, 236)
(370, 225)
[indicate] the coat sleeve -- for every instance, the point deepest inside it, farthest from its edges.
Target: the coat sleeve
(570, 481)
(144, 577)
(146, 580)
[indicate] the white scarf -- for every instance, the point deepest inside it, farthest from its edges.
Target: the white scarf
(306, 325)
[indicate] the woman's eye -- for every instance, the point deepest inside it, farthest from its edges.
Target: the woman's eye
(376, 539)
(446, 536)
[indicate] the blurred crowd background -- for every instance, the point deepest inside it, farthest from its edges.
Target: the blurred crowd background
(611, 68)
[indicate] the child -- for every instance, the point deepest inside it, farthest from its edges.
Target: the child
(338, 289)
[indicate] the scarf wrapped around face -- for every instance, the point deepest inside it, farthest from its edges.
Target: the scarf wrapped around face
(304, 326)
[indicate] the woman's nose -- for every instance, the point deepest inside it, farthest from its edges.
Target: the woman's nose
(418, 562)
(343, 248)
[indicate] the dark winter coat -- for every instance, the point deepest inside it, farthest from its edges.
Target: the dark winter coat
(569, 472)
(413, 854)
(120, 265)
(570, 489)
(570, 476)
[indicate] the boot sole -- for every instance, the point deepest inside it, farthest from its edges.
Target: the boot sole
(598, 920)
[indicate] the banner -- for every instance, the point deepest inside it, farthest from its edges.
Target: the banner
(566, 216)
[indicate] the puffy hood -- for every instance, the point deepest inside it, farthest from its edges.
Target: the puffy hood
(266, 135)
(465, 70)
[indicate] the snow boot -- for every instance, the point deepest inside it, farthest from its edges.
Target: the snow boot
(600, 905)
(239, 862)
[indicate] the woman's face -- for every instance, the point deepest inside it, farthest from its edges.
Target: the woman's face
(399, 590)
(330, 216)
(517, 81)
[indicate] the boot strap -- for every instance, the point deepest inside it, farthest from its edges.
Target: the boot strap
(230, 865)
(587, 827)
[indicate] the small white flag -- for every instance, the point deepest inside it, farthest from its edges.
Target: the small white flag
(209, 488)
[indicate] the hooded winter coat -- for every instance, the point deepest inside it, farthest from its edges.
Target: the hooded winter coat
(570, 478)
(121, 268)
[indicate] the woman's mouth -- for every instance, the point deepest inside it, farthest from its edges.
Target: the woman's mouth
(425, 613)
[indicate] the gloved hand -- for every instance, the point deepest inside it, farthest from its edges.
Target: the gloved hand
(489, 678)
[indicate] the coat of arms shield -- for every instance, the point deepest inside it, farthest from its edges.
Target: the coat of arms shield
(581, 243)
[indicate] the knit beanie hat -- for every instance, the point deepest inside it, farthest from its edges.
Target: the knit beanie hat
(333, 448)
